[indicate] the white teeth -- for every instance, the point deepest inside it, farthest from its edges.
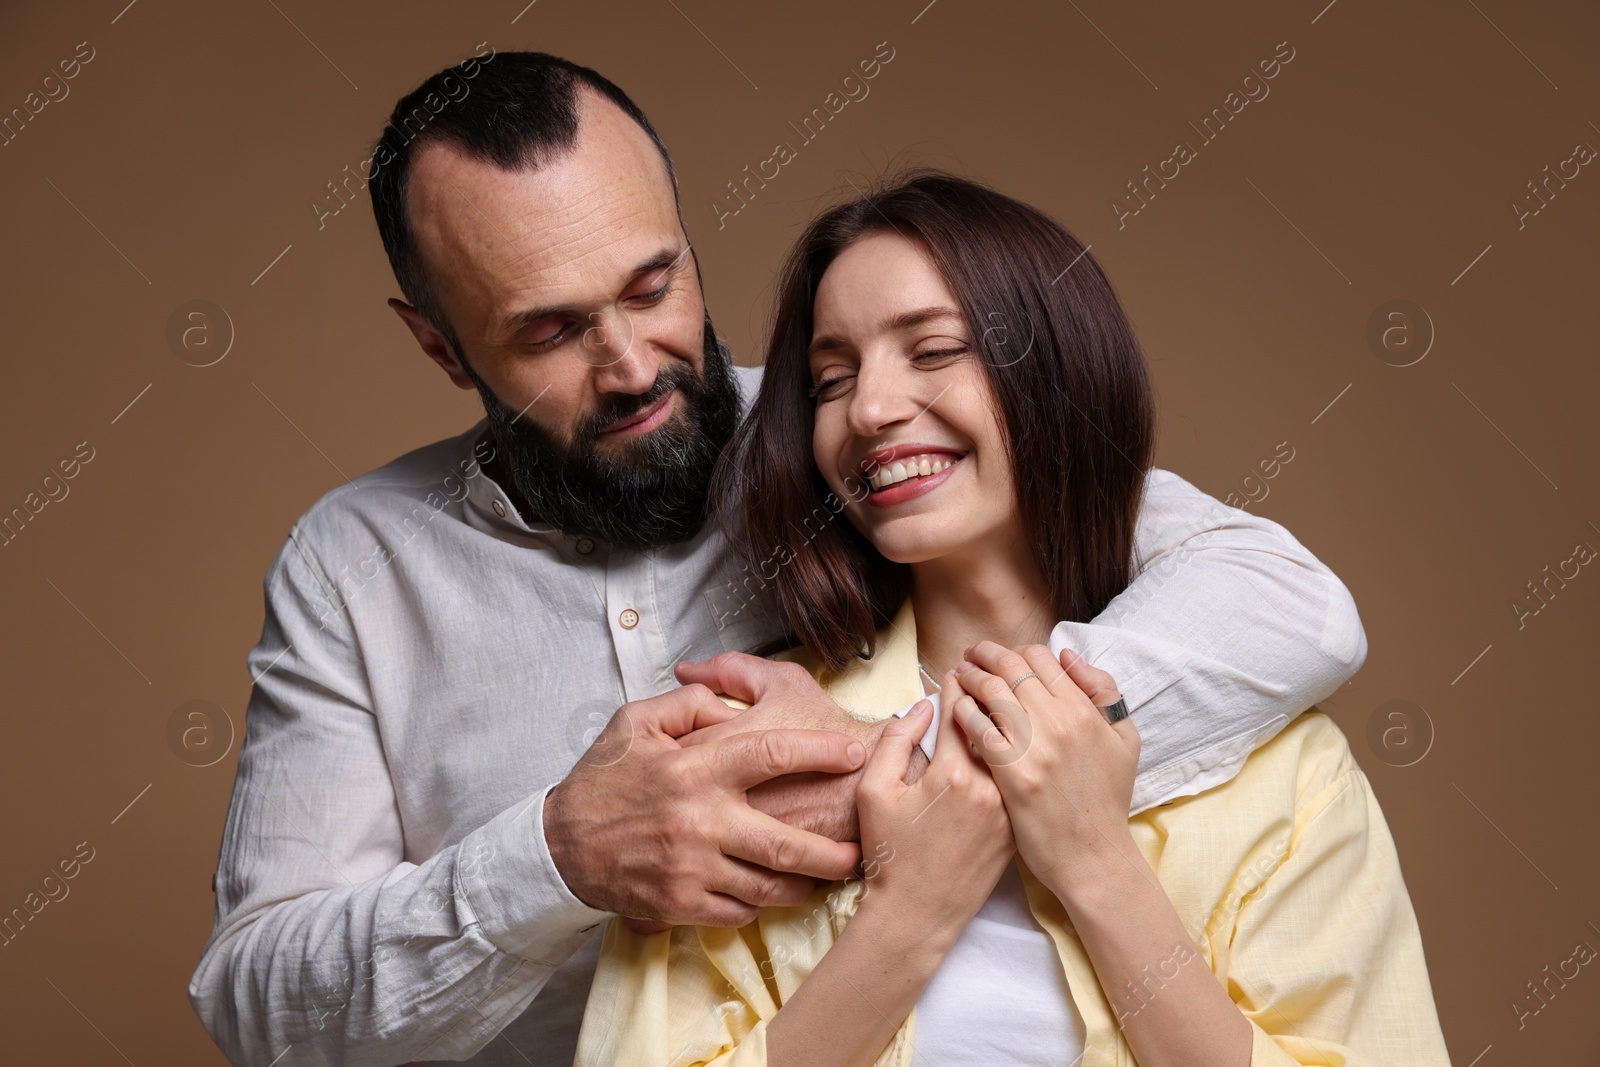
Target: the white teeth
(908, 468)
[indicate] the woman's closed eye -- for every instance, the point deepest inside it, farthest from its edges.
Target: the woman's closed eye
(831, 386)
(938, 357)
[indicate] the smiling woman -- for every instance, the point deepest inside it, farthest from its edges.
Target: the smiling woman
(929, 377)
(1001, 497)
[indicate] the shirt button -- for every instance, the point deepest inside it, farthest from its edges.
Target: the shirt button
(629, 618)
(499, 509)
(585, 545)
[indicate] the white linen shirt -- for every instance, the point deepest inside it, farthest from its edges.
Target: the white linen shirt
(431, 665)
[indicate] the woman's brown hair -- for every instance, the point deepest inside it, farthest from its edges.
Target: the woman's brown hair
(1069, 382)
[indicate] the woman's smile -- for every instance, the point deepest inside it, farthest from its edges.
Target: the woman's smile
(908, 472)
(904, 405)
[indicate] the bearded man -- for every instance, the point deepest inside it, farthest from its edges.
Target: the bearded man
(469, 740)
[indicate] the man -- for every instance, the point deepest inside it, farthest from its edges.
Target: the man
(438, 799)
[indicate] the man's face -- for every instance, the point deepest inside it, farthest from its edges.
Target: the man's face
(576, 300)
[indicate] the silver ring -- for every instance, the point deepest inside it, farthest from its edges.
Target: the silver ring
(1024, 678)
(1116, 712)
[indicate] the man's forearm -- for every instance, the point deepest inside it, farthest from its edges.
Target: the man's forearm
(1231, 629)
(326, 939)
(454, 947)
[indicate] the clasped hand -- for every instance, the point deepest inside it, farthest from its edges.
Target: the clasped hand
(1035, 770)
(688, 811)
(1066, 773)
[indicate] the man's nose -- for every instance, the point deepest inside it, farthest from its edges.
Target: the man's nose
(621, 365)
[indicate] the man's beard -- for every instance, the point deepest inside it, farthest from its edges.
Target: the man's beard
(639, 492)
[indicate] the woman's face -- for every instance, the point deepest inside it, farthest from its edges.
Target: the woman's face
(904, 406)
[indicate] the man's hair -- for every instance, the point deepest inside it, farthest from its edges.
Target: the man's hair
(519, 110)
(1068, 383)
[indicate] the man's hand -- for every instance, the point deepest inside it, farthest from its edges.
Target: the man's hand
(648, 828)
(785, 696)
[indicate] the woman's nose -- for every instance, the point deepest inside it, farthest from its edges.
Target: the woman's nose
(883, 397)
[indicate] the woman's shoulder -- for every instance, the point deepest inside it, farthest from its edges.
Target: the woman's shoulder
(1308, 763)
(1300, 788)
(1299, 764)
(1321, 751)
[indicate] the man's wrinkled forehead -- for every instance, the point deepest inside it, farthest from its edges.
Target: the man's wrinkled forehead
(567, 231)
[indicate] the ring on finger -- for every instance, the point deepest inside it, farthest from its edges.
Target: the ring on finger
(1024, 678)
(1116, 712)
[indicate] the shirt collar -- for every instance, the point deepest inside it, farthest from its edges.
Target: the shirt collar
(871, 688)
(487, 496)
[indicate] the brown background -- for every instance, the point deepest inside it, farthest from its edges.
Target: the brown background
(1382, 163)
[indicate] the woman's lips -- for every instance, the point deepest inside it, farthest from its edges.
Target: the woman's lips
(883, 458)
(646, 420)
(912, 488)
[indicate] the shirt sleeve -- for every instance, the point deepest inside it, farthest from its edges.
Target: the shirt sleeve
(1229, 629)
(326, 939)
(1326, 956)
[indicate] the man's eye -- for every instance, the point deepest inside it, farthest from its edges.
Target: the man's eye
(653, 295)
(547, 339)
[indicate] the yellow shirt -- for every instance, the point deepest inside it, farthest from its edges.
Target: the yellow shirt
(1286, 877)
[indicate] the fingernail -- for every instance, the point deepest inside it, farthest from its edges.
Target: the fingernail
(922, 706)
(855, 752)
(963, 665)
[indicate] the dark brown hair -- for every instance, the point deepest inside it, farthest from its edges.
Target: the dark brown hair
(1069, 382)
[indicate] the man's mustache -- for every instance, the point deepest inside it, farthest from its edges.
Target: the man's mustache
(619, 406)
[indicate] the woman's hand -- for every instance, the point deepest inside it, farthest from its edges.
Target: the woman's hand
(1067, 778)
(932, 850)
(1065, 772)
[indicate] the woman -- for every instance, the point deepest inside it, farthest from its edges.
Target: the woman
(952, 374)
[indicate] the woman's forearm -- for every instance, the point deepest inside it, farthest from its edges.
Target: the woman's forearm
(1170, 1006)
(847, 1010)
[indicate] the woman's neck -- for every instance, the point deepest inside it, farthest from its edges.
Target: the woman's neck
(993, 594)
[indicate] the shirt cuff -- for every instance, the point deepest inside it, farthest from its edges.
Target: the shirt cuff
(506, 876)
(1137, 679)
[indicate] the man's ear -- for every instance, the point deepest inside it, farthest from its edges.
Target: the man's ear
(433, 343)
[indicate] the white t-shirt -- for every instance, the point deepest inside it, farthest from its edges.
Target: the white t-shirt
(1000, 996)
